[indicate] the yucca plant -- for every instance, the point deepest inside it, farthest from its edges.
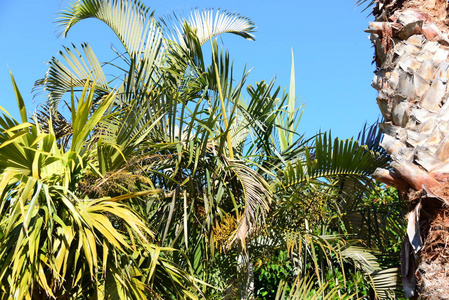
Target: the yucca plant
(57, 242)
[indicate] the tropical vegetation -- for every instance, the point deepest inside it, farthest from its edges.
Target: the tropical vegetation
(175, 179)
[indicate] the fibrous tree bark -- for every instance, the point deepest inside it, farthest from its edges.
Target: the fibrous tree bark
(412, 57)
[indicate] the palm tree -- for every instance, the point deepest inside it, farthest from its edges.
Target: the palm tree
(411, 55)
(175, 148)
(172, 123)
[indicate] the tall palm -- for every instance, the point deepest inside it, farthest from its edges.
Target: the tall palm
(171, 123)
(177, 124)
(411, 55)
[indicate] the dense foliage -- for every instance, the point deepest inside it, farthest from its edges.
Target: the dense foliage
(169, 180)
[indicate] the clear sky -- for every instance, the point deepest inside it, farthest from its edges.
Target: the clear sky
(332, 53)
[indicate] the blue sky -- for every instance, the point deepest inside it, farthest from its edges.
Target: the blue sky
(332, 53)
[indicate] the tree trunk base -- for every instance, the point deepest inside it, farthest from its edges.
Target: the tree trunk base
(433, 263)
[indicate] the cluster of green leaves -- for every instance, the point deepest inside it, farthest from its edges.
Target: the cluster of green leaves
(169, 181)
(56, 240)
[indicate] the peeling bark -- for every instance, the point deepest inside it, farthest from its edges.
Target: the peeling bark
(412, 58)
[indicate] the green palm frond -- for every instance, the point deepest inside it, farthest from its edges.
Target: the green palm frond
(331, 158)
(239, 131)
(288, 121)
(72, 72)
(139, 33)
(305, 288)
(60, 125)
(124, 132)
(20, 102)
(371, 136)
(131, 20)
(366, 3)
(261, 113)
(314, 249)
(207, 24)
(384, 281)
(364, 259)
(83, 121)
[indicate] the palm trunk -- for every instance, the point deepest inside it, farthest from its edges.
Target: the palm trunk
(411, 54)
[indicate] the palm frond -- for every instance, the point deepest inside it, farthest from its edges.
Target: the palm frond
(305, 288)
(131, 20)
(371, 136)
(366, 3)
(256, 196)
(288, 120)
(331, 159)
(60, 125)
(139, 33)
(72, 72)
(384, 281)
(55, 243)
(206, 24)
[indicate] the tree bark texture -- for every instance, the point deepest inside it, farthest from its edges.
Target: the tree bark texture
(412, 59)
